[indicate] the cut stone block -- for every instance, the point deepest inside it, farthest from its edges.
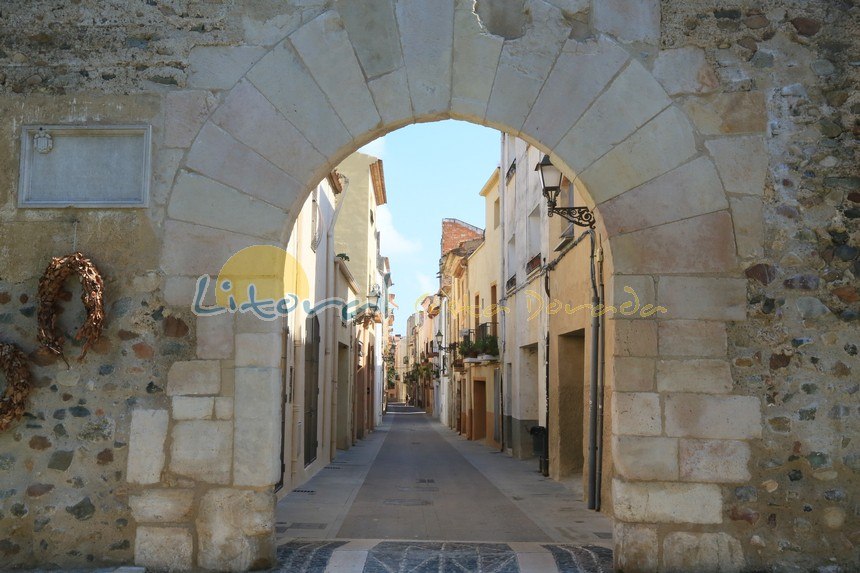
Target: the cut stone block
(257, 419)
(264, 350)
(164, 548)
(692, 338)
(236, 530)
(192, 250)
(524, 65)
(636, 413)
(426, 37)
(202, 450)
(162, 505)
(721, 461)
(223, 408)
(659, 146)
(636, 547)
(391, 95)
(215, 336)
(702, 244)
(741, 162)
(667, 502)
(220, 67)
(561, 101)
(728, 113)
(192, 408)
(146, 446)
(687, 191)
(476, 57)
(198, 199)
(252, 119)
(685, 71)
(633, 374)
(712, 552)
(283, 79)
(645, 458)
(217, 155)
(709, 298)
(185, 112)
(748, 219)
(717, 417)
(612, 118)
(325, 48)
(632, 337)
(628, 20)
(372, 30)
(194, 377)
(694, 375)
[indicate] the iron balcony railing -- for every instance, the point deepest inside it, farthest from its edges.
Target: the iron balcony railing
(487, 329)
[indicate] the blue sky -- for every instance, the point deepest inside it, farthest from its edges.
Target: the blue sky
(432, 171)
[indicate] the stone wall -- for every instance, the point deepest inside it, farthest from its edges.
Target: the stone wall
(798, 347)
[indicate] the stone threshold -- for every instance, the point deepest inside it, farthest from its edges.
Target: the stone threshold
(378, 555)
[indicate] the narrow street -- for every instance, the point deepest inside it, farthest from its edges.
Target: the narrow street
(415, 496)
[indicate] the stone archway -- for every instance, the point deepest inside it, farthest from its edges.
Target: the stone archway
(675, 175)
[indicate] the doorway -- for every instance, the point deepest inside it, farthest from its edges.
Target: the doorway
(479, 410)
(312, 349)
(571, 400)
(344, 397)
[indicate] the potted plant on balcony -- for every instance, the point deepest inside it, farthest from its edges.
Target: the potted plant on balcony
(489, 347)
(469, 349)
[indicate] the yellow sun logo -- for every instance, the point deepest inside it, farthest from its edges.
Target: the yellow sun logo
(260, 273)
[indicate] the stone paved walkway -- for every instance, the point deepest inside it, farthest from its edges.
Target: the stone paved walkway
(415, 496)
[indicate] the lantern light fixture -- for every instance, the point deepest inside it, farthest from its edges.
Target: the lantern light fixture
(550, 181)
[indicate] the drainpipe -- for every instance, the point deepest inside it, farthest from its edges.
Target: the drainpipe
(593, 386)
(545, 464)
(598, 475)
(502, 290)
(334, 318)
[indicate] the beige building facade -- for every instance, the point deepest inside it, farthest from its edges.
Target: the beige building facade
(714, 143)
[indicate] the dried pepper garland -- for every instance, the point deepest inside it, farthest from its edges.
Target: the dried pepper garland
(92, 295)
(13, 363)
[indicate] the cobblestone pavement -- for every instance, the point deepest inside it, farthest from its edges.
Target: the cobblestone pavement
(415, 496)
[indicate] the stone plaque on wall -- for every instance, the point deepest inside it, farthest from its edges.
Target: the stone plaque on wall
(84, 166)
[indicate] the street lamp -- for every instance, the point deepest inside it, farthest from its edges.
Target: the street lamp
(373, 295)
(550, 181)
(439, 340)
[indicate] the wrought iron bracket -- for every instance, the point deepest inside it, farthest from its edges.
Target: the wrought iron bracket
(581, 216)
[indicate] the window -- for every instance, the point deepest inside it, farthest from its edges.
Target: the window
(512, 169)
(511, 260)
(316, 231)
(533, 228)
(496, 213)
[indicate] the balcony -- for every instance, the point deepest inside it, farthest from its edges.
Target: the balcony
(482, 344)
(534, 264)
(512, 283)
(487, 329)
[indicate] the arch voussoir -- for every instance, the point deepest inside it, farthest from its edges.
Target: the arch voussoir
(283, 79)
(581, 72)
(426, 38)
(325, 48)
(475, 60)
(525, 64)
(252, 119)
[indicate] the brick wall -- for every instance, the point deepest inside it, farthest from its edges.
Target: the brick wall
(455, 232)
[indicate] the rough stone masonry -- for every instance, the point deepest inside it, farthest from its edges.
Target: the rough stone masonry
(768, 482)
